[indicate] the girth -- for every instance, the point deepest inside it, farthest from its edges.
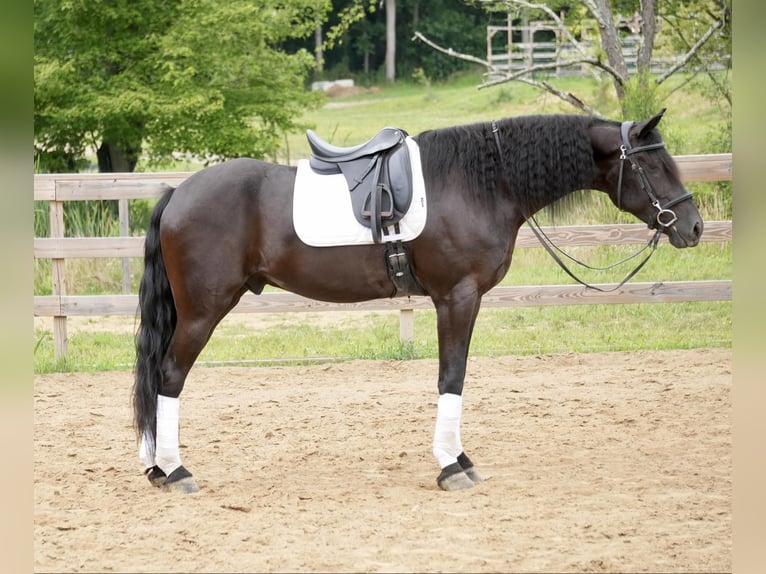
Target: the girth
(378, 174)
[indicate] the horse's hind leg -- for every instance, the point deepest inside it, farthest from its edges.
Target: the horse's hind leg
(191, 334)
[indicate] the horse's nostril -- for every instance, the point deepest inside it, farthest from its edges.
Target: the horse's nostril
(698, 229)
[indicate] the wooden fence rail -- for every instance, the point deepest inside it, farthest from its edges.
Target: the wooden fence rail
(56, 189)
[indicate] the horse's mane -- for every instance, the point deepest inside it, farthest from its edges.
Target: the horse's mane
(544, 157)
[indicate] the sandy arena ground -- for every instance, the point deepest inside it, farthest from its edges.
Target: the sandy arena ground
(594, 463)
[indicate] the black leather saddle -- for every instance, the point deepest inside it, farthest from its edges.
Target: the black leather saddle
(378, 174)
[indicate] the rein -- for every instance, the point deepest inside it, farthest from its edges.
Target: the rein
(665, 216)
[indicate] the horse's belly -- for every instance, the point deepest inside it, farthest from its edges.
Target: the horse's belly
(333, 274)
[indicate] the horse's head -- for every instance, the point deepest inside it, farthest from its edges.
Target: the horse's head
(640, 176)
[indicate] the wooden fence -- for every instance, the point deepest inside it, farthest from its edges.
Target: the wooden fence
(543, 43)
(57, 189)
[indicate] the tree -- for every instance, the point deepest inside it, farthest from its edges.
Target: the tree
(711, 17)
(390, 40)
(198, 77)
(356, 33)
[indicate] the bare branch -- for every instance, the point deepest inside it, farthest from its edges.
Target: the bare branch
(568, 97)
(691, 53)
(453, 53)
(720, 88)
(681, 86)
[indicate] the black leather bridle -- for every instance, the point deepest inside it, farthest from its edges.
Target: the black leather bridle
(665, 216)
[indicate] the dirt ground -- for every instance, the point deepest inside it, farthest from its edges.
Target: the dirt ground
(594, 463)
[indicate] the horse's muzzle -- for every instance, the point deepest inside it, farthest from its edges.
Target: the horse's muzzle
(685, 236)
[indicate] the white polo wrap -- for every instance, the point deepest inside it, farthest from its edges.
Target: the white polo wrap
(167, 457)
(447, 445)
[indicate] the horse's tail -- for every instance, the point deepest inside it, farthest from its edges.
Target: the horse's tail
(158, 321)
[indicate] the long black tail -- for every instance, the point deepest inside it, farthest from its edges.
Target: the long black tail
(158, 321)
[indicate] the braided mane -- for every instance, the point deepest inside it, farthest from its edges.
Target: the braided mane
(544, 158)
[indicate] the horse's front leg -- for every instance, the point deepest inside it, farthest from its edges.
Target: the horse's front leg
(456, 314)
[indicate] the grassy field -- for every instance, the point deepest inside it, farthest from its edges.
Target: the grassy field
(687, 127)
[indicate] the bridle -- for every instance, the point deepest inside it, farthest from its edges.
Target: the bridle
(665, 216)
(628, 152)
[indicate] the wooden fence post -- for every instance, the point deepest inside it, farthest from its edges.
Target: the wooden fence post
(58, 274)
(407, 325)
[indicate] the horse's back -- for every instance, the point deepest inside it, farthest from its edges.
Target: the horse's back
(227, 189)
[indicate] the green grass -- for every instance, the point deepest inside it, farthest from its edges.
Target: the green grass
(498, 332)
(687, 126)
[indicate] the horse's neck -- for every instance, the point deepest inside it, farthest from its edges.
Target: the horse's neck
(546, 158)
(576, 180)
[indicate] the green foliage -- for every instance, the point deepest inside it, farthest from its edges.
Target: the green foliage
(140, 211)
(344, 15)
(197, 77)
(687, 20)
(420, 78)
(642, 98)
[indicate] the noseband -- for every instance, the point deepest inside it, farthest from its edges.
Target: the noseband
(665, 216)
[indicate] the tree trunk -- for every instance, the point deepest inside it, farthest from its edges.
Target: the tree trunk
(390, 40)
(113, 158)
(610, 43)
(648, 31)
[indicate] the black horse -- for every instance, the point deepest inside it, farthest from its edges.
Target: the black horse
(228, 229)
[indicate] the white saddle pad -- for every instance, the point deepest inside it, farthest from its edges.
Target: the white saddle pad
(322, 213)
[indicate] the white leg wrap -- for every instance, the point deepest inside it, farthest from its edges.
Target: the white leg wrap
(447, 445)
(144, 452)
(168, 457)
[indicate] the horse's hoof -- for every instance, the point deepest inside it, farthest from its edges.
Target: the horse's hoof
(156, 476)
(459, 481)
(453, 477)
(185, 485)
(473, 475)
(180, 480)
(468, 468)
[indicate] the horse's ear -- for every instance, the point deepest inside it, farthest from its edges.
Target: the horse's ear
(650, 124)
